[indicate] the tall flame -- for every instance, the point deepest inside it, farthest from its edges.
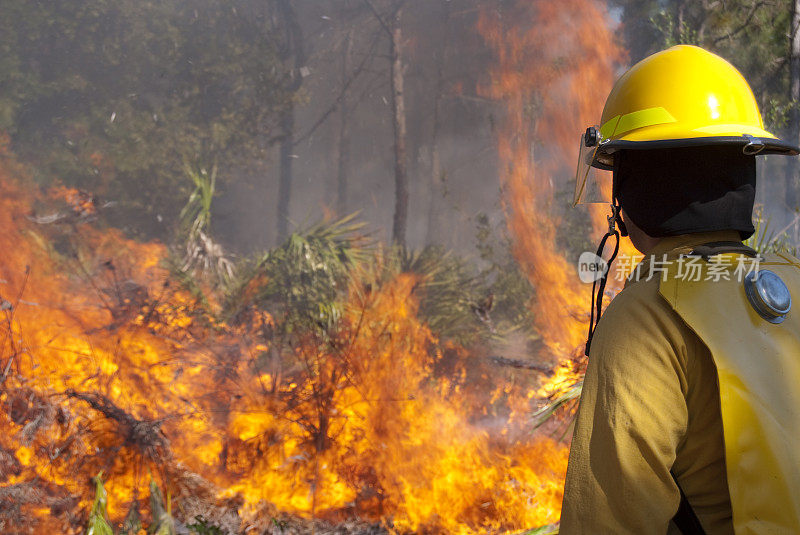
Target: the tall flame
(555, 66)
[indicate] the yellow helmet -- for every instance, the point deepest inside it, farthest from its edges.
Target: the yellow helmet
(680, 97)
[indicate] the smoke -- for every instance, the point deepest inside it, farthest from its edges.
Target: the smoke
(445, 60)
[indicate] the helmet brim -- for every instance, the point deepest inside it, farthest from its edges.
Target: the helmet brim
(604, 158)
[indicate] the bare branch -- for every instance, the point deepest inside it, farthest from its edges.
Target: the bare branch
(520, 364)
(747, 22)
(377, 15)
(338, 100)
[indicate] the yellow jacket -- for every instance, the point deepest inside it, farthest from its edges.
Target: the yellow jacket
(651, 404)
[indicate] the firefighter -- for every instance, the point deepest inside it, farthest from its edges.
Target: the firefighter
(689, 421)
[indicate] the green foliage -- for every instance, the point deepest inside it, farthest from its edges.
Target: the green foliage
(545, 413)
(132, 523)
(98, 523)
(752, 35)
(282, 525)
(573, 222)
(112, 97)
(775, 112)
(202, 254)
(301, 281)
(673, 32)
(502, 276)
(449, 289)
(768, 240)
(163, 523)
(550, 529)
(203, 527)
(196, 214)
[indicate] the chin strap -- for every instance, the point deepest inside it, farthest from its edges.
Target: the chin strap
(599, 285)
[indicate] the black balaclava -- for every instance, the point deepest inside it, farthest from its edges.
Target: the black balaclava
(668, 192)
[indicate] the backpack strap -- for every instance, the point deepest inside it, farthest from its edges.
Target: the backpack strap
(710, 249)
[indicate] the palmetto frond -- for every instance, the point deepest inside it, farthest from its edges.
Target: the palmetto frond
(202, 255)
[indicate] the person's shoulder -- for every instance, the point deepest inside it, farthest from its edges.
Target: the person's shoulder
(639, 320)
(637, 299)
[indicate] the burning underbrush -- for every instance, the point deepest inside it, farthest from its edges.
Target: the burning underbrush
(329, 386)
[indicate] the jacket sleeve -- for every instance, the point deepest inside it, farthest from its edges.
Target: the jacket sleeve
(631, 420)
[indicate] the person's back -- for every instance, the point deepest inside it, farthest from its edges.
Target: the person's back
(691, 400)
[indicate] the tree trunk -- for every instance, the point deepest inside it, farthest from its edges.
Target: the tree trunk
(285, 174)
(794, 116)
(433, 232)
(437, 177)
(344, 132)
(293, 57)
(399, 122)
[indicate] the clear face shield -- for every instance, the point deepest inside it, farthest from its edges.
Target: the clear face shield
(592, 185)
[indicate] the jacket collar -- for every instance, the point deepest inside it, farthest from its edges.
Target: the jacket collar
(689, 241)
(676, 245)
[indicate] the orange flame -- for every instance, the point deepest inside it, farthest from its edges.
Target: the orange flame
(553, 73)
(106, 366)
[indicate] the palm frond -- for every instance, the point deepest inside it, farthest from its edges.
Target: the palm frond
(98, 523)
(202, 254)
(545, 413)
(768, 240)
(550, 529)
(163, 523)
(304, 278)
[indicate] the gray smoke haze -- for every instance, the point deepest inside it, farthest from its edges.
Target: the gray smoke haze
(779, 221)
(437, 35)
(445, 58)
